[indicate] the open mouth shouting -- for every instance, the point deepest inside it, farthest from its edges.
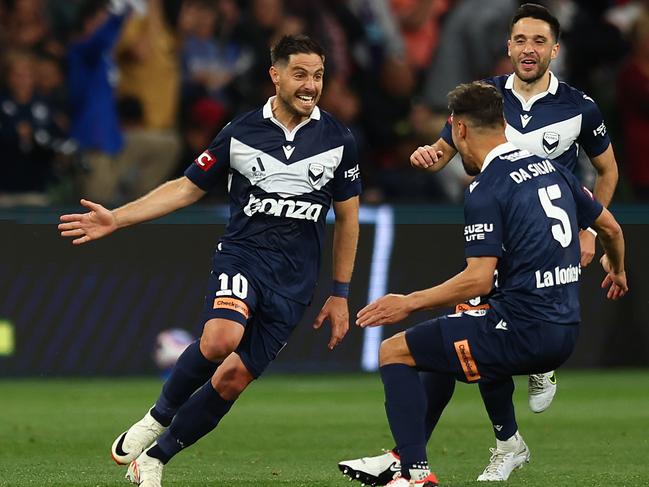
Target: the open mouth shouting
(306, 101)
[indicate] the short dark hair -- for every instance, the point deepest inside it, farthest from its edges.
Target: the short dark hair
(294, 44)
(481, 102)
(536, 11)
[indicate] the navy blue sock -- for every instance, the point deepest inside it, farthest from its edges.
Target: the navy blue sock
(190, 372)
(405, 405)
(439, 389)
(497, 398)
(196, 418)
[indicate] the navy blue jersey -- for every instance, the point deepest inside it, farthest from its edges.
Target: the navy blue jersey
(528, 211)
(552, 124)
(280, 186)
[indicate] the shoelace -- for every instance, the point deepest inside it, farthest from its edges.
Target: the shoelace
(152, 471)
(496, 461)
(537, 383)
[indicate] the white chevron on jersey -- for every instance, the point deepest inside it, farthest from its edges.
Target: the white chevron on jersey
(549, 141)
(274, 176)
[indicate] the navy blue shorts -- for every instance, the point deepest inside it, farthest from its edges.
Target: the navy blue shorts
(480, 346)
(268, 318)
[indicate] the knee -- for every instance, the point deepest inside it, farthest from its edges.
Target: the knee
(394, 350)
(231, 382)
(217, 342)
(216, 348)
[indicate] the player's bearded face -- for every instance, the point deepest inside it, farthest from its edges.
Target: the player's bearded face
(531, 49)
(300, 84)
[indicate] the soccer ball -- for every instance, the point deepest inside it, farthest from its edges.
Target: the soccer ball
(169, 345)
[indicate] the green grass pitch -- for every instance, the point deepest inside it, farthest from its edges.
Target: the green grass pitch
(292, 430)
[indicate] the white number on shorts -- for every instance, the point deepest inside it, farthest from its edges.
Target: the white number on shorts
(239, 286)
(562, 233)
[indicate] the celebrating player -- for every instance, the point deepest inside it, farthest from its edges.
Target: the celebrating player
(286, 162)
(552, 120)
(522, 217)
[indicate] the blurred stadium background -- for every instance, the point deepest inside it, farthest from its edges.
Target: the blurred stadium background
(168, 77)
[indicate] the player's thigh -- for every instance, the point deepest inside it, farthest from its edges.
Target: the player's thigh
(395, 350)
(479, 345)
(428, 348)
(268, 331)
(462, 344)
(231, 302)
(232, 293)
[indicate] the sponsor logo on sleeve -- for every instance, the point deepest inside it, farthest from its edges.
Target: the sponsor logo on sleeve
(353, 174)
(233, 305)
(601, 130)
(477, 231)
(205, 161)
(469, 366)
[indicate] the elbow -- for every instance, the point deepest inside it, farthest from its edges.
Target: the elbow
(482, 286)
(613, 231)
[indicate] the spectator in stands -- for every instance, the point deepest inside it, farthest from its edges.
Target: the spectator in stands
(386, 117)
(633, 97)
(471, 44)
(209, 65)
(149, 87)
(28, 135)
(91, 75)
(419, 25)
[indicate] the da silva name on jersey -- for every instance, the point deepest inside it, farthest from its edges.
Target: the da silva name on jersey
(534, 169)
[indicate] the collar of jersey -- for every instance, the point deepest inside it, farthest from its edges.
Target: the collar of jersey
(290, 134)
(527, 105)
(499, 150)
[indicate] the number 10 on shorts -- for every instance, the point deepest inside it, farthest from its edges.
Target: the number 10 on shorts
(236, 285)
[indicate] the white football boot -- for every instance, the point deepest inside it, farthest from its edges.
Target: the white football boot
(505, 458)
(128, 446)
(145, 471)
(378, 470)
(541, 389)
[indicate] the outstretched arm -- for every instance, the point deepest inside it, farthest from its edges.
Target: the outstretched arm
(336, 308)
(99, 221)
(475, 280)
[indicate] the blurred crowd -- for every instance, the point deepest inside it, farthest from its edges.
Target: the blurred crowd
(107, 99)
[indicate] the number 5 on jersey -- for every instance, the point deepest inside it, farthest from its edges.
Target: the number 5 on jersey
(562, 233)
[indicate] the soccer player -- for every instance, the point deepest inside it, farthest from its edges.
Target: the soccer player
(522, 218)
(550, 119)
(286, 162)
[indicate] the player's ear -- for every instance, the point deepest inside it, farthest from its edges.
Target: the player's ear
(555, 51)
(461, 129)
(274, 75)
(509, 47)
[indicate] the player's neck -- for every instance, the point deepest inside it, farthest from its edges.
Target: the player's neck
(528, 90)
(482, 146)
(287, 118)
